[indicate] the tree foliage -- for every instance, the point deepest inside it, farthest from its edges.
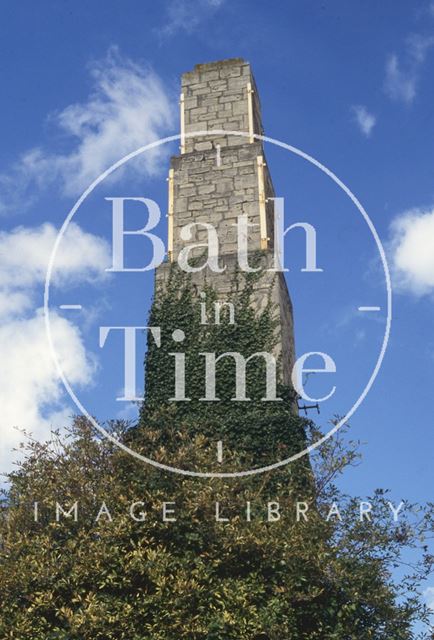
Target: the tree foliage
(191, 576)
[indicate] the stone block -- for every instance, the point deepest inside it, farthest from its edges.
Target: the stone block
(230, 71)
(181, 204)
(209, 101)
(206, 189)
(240, 108)
(225, 186)
(190, 103)
(238, 83)
(206, 76)
(201, 91)
(233, 98)
(246, 170)
(194, 205)
(198, 111)
(218, 86)
(184, 191)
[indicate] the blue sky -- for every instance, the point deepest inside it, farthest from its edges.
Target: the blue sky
(348, 83)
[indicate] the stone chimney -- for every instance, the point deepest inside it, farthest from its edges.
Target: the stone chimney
(218, 177)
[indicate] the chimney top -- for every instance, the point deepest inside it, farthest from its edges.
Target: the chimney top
(205, 66)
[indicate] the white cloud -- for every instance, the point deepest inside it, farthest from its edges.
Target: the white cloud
(188, 15)
(412, 249)
(418, 46)
(400, 85)
(365, 120)
(128, 107)
(24, 255)
(13, 303)
(31, 395)
(429, 597)
(402, 78)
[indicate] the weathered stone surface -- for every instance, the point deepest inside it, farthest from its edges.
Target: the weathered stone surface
(217, 179)
(219, 89)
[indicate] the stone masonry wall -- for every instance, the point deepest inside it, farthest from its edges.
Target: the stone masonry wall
(270, 281)
(216, 179)
(205, 191)
(215, 97)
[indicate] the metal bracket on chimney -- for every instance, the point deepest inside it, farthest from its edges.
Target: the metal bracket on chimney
(250, 111)
(170, 208)
(182, 121)
(262, 209)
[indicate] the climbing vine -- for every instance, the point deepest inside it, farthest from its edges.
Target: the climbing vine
(262, 432)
